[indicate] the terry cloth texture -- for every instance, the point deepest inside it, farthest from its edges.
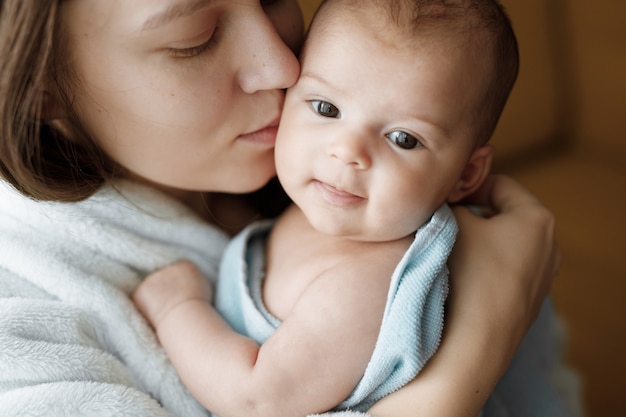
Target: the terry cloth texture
(71, 341)
(413, 318)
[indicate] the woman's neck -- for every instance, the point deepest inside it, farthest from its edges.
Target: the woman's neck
(229, 212)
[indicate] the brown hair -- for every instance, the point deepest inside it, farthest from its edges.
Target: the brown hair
(483, 24)
(37, 157)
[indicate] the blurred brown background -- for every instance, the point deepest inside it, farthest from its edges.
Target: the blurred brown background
(562, 136)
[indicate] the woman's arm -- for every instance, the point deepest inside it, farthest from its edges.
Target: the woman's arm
(501, 269)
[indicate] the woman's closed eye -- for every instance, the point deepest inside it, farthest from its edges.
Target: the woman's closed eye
(201, 43)
(191, 51)
(325, 109)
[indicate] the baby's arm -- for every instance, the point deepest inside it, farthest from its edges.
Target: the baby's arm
(310, 364)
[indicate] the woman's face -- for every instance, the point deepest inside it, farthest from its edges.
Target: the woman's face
(186, 94)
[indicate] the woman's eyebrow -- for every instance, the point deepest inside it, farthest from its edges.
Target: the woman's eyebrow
(174, 11)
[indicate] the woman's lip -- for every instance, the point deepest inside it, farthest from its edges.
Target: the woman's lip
(335, 195)
(263, 136)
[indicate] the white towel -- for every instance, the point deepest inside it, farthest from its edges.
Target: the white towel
(71, 341)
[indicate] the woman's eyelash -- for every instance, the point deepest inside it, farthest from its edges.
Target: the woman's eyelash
(190, 52)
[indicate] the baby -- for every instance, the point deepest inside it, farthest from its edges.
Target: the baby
(343, 295)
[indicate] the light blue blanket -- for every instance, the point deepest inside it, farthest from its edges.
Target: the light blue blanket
(412, 322)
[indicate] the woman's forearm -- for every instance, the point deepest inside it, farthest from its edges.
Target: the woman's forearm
(461, 375)
(501, 271)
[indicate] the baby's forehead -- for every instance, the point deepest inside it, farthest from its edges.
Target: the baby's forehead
(397, 29)
(376, 38)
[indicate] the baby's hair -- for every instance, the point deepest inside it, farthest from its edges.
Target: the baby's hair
(36, 157)
(480, 24)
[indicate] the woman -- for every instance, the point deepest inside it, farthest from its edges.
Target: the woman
(129, 132)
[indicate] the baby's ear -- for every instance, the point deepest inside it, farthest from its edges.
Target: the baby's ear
(476, 170)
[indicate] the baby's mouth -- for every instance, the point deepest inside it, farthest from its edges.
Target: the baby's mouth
(337, 196)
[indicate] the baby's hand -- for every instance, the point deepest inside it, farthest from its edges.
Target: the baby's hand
(167, 288)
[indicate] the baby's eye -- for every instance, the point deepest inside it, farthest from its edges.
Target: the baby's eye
(403, 139)
(325, 109)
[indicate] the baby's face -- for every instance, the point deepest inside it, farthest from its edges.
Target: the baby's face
(375, 134)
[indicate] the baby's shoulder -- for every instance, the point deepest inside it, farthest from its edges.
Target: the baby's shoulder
(370, 263)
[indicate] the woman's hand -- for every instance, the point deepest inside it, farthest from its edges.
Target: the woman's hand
(501, 267)
(506, 261)
(165, 289)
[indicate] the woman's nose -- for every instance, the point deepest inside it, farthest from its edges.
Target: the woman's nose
(351, 149)
(266, 63)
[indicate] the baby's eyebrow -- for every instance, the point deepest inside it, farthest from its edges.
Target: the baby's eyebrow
(321, 80)
(174, 11)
